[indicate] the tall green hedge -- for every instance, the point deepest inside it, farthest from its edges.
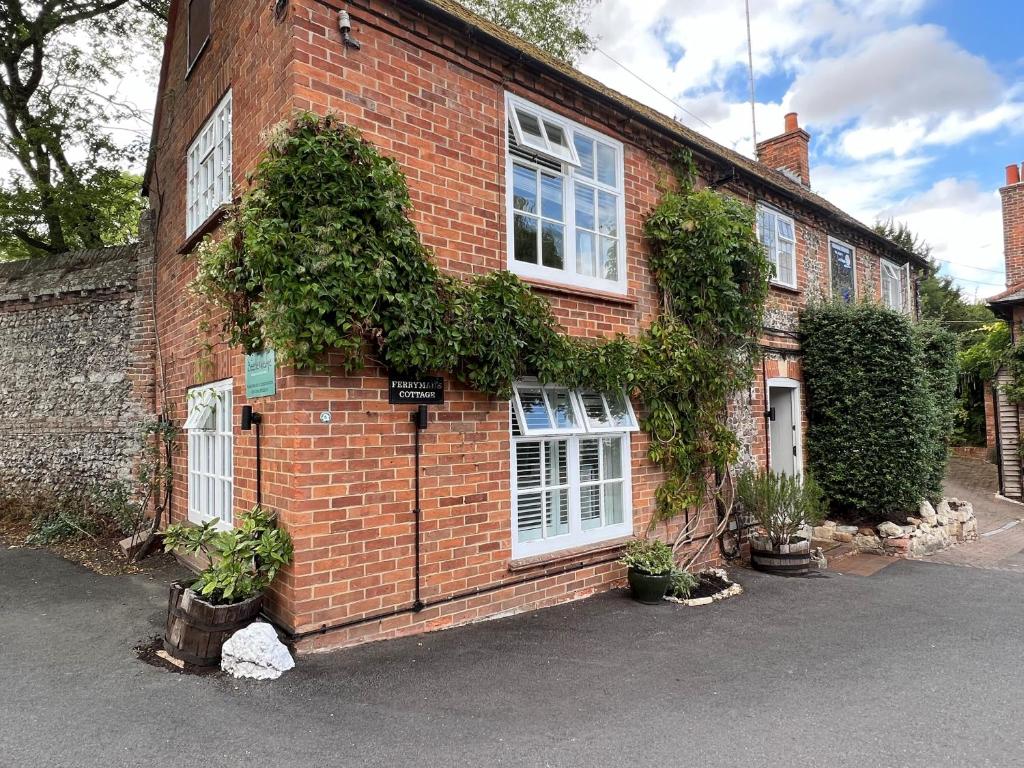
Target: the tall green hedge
(879, 407)
(941, 369)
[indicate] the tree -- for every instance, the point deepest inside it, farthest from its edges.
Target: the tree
(557, 26)
(980, 336)
(57, 60)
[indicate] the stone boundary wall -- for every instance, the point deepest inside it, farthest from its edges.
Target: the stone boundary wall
(76, 378)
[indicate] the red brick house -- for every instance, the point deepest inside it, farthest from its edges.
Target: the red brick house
(1003, 418)
(477, 119)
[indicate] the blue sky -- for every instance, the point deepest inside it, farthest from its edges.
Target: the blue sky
(915, 106)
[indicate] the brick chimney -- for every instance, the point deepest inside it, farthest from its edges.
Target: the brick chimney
(788, 152)
(1013, 225)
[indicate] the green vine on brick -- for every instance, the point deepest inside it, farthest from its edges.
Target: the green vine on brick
(321, 255)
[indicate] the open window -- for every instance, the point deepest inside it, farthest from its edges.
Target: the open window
(202, 404)
(542, 133)
(571, 468)
(551, 410)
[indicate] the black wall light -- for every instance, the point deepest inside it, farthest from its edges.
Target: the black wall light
(250, 417)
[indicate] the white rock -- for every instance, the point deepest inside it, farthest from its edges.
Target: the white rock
(889, 530)
(926, 510)
(944, 508)
(255, 652)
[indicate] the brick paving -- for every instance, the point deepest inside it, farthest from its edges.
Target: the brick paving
(1000, 545)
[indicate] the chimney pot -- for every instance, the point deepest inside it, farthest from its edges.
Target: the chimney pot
(1012, 174)
(792, 122)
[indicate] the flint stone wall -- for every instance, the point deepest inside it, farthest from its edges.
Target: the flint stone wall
(76, 371)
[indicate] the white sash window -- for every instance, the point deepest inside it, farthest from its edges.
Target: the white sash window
(896, 286)
(209, 168)
(571, 467)
(210, 453)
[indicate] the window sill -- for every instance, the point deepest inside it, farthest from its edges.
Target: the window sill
(566, 289)
(211, 223)
(564, 555)
(795, 291)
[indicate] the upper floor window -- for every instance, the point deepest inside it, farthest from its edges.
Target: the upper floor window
(778, 236)
(896, 286)
(566, 208)
(209, 168)
(198, 29)
(842, 268)
(570, 467)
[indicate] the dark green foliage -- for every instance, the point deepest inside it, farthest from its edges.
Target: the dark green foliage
(241, 561)
(940, 373)
(67, 189)
(651, 556)
(557, 26)
(681, 584)
(869, 409)
(322, 256)
(780, 504)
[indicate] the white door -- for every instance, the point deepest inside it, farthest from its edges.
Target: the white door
(784, 428)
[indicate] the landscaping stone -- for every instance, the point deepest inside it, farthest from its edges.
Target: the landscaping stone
(889, 530)
(927, 511)
(823, 533)
(868, 542)
(255, 652)
(842, 536)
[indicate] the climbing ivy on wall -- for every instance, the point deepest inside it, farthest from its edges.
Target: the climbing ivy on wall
(321, 255)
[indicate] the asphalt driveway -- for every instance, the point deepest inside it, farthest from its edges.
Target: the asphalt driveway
(918, 665)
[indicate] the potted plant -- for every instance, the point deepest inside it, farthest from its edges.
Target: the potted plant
(650, 564)
(228, 593)
(780, 505)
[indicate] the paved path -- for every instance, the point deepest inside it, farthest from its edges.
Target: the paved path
(915, 666)
(1001, 542)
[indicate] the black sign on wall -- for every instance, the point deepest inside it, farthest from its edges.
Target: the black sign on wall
(428, 390)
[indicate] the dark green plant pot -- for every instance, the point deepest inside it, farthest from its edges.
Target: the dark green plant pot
(646, 588)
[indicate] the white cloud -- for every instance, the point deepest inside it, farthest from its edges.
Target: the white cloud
(906, 73)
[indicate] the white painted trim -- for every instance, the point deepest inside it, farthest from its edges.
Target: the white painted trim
(567, 276)
(194, 167)
(781, 215)
(795, 387)
(576, 537)
(853, 263)
(214, 499)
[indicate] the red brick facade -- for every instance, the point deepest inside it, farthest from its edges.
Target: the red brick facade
(430, 95)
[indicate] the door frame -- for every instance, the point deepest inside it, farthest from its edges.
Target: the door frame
(794, 387)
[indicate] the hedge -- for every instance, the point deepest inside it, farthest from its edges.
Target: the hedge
(878, 416)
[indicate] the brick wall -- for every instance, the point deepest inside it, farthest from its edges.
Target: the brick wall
(1013, 225)
(76, 384)
(428, 96)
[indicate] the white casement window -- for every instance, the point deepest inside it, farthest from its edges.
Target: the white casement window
(210, 453)
(896, 286)
(570, 467)
(209, 168)
(778, 236)
(566, 209)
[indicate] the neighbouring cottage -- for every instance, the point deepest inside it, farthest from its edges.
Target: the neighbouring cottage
(514, 515)
(1003, 417)
(76, 383)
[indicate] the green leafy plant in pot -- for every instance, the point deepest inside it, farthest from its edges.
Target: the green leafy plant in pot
(228, 594)
(650, 565)
(781, 505)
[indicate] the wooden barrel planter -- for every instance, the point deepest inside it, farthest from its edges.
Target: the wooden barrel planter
(196, 630)
(794, 561)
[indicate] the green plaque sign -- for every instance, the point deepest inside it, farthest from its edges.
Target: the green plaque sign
(261, 374)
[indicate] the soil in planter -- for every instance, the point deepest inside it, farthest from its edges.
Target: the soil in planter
(708, 585)
(148, 654)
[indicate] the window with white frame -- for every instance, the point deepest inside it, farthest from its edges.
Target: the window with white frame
(210, 453)
(570, 467)
(896, 286)
(778, 236)
(566, 207)
(209, 168)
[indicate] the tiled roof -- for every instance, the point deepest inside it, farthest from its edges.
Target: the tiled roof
(1012, 295)
(477, 26)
